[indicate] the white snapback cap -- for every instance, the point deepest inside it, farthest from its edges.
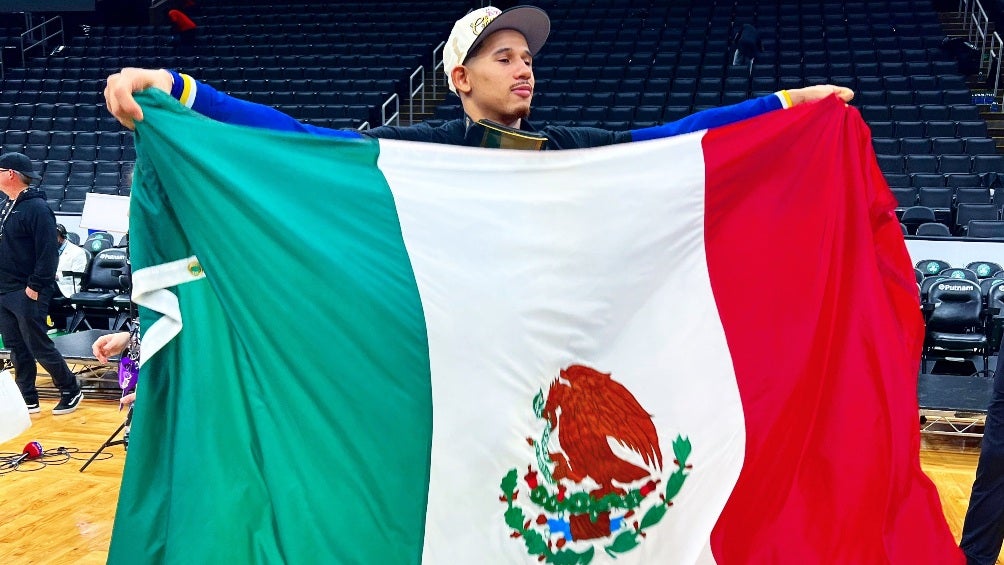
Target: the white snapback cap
(471, 29)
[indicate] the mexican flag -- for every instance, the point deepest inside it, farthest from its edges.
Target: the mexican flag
(690, 350)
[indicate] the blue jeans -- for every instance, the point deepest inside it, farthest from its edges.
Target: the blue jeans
(983, 532)
(22, 325)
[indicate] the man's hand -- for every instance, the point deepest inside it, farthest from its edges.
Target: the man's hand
(32, 294)
(109, 345)
(121, 86)
(818, 92)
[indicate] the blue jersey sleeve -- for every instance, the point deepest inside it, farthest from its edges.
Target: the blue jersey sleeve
(711, 118)
(221, 107)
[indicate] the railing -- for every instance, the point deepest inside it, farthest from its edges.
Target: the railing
(989, 46)
(363, 126)
(31, 38)
(413, 90)
(437, 68)
(396, 116)
(974, 21)
(994, 59)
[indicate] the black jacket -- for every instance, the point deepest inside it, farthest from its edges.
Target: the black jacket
(28, 249)
(455, 132)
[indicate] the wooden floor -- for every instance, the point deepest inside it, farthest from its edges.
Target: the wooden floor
(57, 515)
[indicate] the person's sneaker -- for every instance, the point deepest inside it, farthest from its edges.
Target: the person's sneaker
(33, 407)
(68, 401)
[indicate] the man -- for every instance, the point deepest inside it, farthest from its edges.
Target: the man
(72, 259)
(983, 531)
(747, 44)
(488, 62)
(28, 258)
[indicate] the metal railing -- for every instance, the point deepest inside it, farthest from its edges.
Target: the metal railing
(39, 36)
(437, 68)
(994, 58)
(363, 126)
(990, 48)
(975, 22)
(396, 115)
(413, 90)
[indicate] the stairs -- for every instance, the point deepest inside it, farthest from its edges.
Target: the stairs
(954, 26)
(431, 102)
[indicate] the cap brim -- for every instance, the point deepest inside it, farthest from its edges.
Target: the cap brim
(531, 21)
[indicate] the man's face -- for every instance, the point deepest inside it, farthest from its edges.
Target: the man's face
(499, 79)
(9, 178)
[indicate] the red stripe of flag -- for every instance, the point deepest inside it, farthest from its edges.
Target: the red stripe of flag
(817, 296)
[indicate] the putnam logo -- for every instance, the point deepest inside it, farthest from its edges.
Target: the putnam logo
(598, 480)
(955, 287)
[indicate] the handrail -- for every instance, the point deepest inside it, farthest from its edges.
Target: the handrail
(396, 116)
(989, 46)
(413, 90)
(363, 126)
(978, 31)
(437, 64)
(995, 60)
(29, 36)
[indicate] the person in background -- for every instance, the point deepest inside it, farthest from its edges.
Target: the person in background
(72, 259)
(184, 28)
(747, 45)
(488, 61)
(983, 531)
(28, 259)
(126, 344)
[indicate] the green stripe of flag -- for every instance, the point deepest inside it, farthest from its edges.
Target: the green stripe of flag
(291, 425)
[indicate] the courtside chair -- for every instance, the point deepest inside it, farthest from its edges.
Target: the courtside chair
(984, 269)
(955, 325)
(960, 273)
(932, 267)
(101, 285)
(994, 313)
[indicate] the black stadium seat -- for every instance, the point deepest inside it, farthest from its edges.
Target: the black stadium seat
(933, 229)
(985, 229)
(932, 267)
(954, 314)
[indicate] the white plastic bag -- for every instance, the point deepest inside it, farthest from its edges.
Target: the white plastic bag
(14, 418)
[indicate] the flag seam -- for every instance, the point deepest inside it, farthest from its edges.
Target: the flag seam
(150, 290)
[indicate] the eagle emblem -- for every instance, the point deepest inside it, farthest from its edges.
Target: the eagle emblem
(598, 480)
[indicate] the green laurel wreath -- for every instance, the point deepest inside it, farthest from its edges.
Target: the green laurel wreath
(581, 503)
(628, 540)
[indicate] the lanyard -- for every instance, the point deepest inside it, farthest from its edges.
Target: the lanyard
(11, 202)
